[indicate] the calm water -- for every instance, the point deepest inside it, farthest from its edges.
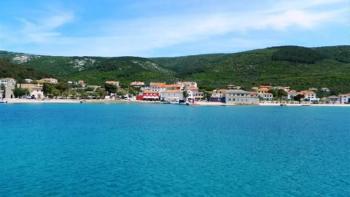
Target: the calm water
(166, 150)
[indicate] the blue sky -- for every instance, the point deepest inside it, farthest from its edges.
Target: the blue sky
(153, 28)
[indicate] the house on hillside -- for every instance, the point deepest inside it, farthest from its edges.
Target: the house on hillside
(48, 81)
(113, 83)
(137, 84)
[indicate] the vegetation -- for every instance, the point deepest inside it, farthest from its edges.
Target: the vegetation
(297, 55)
(18, 72)
(330, 68)
(278, 93)
(298, 67)
(55, 90)
(20, 92)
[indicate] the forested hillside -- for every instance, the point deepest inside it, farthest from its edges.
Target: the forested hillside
(298, 67)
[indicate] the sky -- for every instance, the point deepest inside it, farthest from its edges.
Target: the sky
(155, 28)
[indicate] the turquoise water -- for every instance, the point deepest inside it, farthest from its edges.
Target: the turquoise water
(168, 150)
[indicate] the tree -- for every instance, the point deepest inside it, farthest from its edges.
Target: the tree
(185, 94)
(101, 93)
(110, 88)
(62, 87)
(20, 92)
(278, 93)
(298, 97)
(48, 89)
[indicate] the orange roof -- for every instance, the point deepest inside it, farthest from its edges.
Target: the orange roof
(264, 86)
(306, 92)
(172, 91)
(150, 92)
(157, 84)
(263, 89)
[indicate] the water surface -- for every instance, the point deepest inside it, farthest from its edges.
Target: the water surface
(167, 150)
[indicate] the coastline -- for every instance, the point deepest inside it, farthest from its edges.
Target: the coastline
(199, 103)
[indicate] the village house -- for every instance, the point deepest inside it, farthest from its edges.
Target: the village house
(241, 97)
(137, 84)
(284, 88)
(7, 86)
(333, 99)
(156, 86)
(291, 94)
(113, 83)
(313, 89)
(28, 80)
(194, 94)
(233, 87)
(309, 96)
(344, 98)
(172, 95)
(325, 89)
(218, 95)
(148, 95)
(47, 81)
(266, 96)
(264, 93)
(185, 85)
(82, 83)
(35, 90)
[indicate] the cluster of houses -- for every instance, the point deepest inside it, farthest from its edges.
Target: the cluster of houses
(235, 95)
(183, 91)
(174, 93)
(35, 88)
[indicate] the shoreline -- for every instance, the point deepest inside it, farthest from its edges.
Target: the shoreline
(199, 103)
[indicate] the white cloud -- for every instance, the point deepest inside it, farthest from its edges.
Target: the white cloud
(44, 29)
(142, 36)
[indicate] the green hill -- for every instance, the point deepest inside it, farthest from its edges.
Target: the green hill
(298, 67)
(8, 69)
(94, 70)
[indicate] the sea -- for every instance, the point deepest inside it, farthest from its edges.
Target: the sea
(173, 150)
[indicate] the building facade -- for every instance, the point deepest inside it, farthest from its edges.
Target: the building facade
(309, 95)
(7, 86)
(35, 90)
(172, 95)
(344, 98)
(113, 83)
(48, 81)
(218, 95)
(241, 97)
(148, 96)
